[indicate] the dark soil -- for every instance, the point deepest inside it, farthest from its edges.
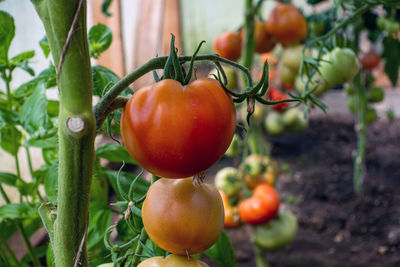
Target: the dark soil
(336, 227)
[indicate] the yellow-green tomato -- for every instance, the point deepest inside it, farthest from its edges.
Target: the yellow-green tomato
(228, 181)
(235, 147)
(339, 66)
(273, 123)
(277, 233)
(173, 261)
(375, 95)
(316, 83)
(231, 77)
(181, 217)
(291, 56)
(287, 74)
(290, 116)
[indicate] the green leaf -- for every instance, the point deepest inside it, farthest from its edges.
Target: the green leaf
(23, 56)
(100, 38)
(51, 183)
(7, 32)
(44, 44)
(10, 139)
(222, 251)
(114, 153)
(8, 178)
(34, 111)
(7, 230)
(43, 142)
(105, 6)
(18, 210)
(126, 179)
(124, 232)
(99, 221)
(8, 118)
(391, 54)
(47, 212)
(103, 79)
(47, 77)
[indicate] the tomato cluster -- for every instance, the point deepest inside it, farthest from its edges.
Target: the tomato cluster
(285, 25)
(256, 174)
(176, 131)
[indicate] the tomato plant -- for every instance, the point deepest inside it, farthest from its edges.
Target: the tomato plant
(182, 218)
(228, 45)
(172, 260)
(263, 39)
(261, 207)
(287, 24)
(177, 131)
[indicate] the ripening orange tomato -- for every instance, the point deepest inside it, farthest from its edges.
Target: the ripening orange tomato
(261, 207)
(287, 24)
(228, 45)
(182, 218)
(263, 39)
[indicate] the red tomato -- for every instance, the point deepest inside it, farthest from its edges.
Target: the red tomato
(370, 60)
(261, 207)
(275, 95)
(287, 24)
(228, 45)
(272, 59)
(177, 131)
(182, 218)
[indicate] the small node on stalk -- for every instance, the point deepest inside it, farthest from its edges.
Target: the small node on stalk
(198, 179)
(75, 124)
(128, 212)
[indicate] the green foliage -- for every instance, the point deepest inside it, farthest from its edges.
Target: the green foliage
(100, 38)
(391, 54)
(105, 6)
(114, 153)
(7, 32)
(44, 44)
(222, 251)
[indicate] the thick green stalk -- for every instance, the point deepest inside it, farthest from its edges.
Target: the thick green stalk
(249, 45)
(76, 125)
(361, 129)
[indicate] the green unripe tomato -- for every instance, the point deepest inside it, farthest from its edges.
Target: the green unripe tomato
(349, 89)
(273, 123)
(231, 77)
(352, 103)
(371, 115)
(290, 116)
(300, 124)
(316, 82)
(375, 95)
(291, 57)
(295, 120)
(339, 66)
(287, 74)
(228, 181)
(277, 233)
(235, 147)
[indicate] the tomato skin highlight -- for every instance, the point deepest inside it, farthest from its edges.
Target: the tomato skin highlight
(228, 45)
(287, 24)
(181, 218)
(261, 207)
(177, 131)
